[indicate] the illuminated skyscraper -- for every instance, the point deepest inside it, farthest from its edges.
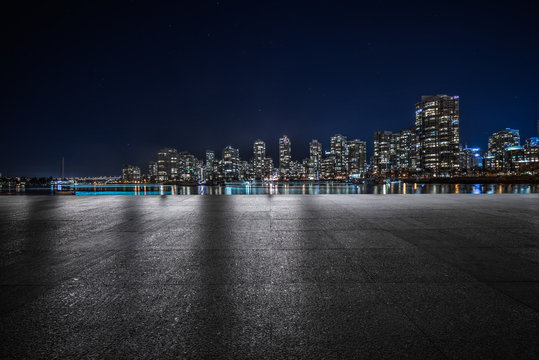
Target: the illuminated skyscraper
(501, 140)
(167, 164)
(259, 159)
(498, 143)
(384, 151)
(231, 163)
(406, 159)
(268, 166)
(437, 128)
(284, 156)
(357, 158)
(339, 150)
(315, 159)
(210, 166)
(152, 170)
(327, 169)
(295, 170)
(187, 166)
(210, 158)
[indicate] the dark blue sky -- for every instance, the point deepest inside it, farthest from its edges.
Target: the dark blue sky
(109, 83)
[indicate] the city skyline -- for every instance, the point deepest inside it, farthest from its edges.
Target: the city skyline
(431, 147)
(208, 74)
(411, 149)
(366, 160)
(274, 152)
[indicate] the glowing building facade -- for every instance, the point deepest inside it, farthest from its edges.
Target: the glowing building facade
(315, 160)
(339, 151)
(437, 123)
(167, 164)
(498, 143)
(357, 158)
(187, 166)
(231, 167)
(259, 160)
(285, 156)
(384, 152)
(405, 158)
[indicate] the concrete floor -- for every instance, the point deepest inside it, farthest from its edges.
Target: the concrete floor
(309, 277)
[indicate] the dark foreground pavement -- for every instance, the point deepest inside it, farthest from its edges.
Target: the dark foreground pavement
(308, 277)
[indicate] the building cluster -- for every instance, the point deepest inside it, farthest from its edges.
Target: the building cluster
(505, 153)
(345, 159)
(430, 147)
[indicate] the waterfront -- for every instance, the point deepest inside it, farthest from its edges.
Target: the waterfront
(310, 277)
(284, 189)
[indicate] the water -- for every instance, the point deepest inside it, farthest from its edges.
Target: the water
(286, 189)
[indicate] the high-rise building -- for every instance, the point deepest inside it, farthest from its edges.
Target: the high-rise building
(167, 164)
(498, 143)
(231, 163)
(130, 173)
(315, 159)
(259, 159)
(200, 169)
(327, 169)
(187, 166)
(268, 167)
(152, 170)
(210, 166)
(210, 158)
(384, 152)
(285, 156)
(339, 150)
(501, 140)
(295, 170)
(437, 127)
(244, 169)
(304, 169)
(357, 158)
(405, 151)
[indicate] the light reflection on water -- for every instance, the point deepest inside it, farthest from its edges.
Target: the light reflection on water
(310, 189)
(290, 189)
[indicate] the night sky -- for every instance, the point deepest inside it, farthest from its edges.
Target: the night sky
(109, 83)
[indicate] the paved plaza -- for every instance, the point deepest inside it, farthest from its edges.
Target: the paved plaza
(270, 277)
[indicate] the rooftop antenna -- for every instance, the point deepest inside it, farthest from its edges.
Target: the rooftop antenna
(62, 167)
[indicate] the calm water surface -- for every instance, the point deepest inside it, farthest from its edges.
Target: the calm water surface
(287, 188)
